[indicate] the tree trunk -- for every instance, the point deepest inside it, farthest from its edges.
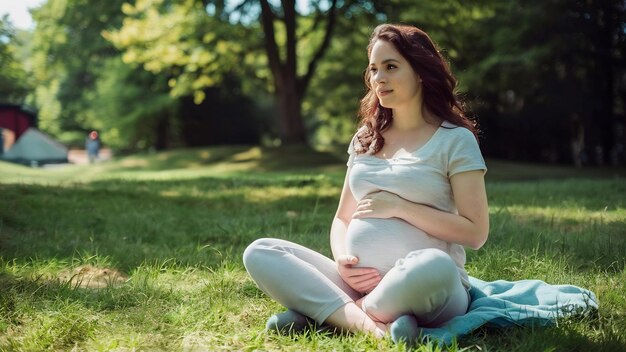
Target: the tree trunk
(289, 101)
(603, 76)
(289, 88)
(161, 133)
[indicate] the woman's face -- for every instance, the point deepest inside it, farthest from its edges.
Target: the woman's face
(392, 78)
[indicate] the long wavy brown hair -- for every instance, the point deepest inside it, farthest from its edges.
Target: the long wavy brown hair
(439, 85)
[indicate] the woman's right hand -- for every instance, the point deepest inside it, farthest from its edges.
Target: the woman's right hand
(363, 280)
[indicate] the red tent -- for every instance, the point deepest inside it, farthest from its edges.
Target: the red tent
(17, 118)
(22, 142)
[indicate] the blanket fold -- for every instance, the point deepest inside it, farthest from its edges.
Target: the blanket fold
(509, 303)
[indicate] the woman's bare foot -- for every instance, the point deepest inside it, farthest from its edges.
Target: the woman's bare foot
(382, 326)
(352, 318)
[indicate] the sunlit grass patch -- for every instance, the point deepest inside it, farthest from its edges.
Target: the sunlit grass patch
(56, 328)
(88, 276)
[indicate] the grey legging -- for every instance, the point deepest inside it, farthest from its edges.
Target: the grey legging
(426, 283)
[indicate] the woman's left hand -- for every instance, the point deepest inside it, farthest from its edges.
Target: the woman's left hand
(380, 204)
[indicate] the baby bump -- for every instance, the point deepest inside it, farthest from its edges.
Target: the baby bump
(378, 243)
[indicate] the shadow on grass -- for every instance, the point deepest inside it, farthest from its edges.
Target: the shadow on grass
(588, 194)
(200, 222)
(585, 244)
(44, 313)
(255, 158)
(564, 337)
(40, 291)
(504, 170)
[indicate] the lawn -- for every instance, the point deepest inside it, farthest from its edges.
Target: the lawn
(144, 252)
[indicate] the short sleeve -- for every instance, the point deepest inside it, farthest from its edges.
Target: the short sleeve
(465, 153)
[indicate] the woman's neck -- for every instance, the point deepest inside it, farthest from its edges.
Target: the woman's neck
(412, 115)
(409, 118)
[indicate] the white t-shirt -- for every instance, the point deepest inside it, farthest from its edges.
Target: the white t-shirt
(421, 177)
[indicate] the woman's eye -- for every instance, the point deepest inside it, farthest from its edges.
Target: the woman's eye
(373, 69)
(389, 67)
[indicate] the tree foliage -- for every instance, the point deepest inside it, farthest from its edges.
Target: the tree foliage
(197, 42)
(134, 108)
(14, 84)
(179, 40)
(69, 57)
(547, 79)
(541, 77)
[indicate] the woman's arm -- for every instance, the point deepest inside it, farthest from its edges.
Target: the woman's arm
(361, 279)
(469, 228)
(339, 226)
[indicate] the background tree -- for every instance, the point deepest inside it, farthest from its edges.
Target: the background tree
(546, 79)
(83, 84)
(199, 41)
(134, 109)
(69, 57)
(14, 85)
(558, 67)
(331, 103)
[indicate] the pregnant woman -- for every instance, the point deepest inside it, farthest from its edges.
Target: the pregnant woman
(413, 198)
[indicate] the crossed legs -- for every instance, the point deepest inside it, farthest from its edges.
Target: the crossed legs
(308, 282)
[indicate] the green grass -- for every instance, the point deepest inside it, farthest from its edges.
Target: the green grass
(176, 224)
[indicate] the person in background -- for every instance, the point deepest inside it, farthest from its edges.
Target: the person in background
(92, 145)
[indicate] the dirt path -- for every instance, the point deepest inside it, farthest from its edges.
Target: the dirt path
(79, 156)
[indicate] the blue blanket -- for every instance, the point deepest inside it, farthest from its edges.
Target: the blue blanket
(504, 303)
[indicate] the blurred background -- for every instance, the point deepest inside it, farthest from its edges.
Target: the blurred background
(546, 80)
